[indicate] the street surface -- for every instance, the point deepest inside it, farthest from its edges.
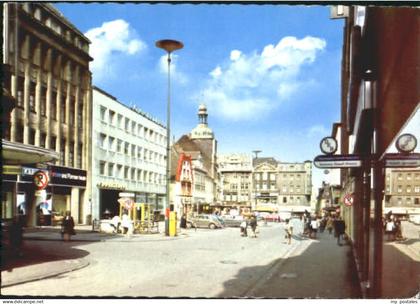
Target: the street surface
(206, 263)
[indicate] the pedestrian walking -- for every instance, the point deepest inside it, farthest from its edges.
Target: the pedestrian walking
(390, 230)
(126, 224)
(339, 228)
(67, 227)
(253, 224)
(244, 226)
(330, 224)
(314, 227)
(288, 227)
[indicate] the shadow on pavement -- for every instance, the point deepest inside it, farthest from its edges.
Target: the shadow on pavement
(322, 270)
(41, 245)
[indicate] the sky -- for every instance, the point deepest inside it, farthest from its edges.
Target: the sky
(268, 74)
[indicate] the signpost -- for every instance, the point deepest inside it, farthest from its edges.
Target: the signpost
(348, 200)
(399, 160)
(337, 161)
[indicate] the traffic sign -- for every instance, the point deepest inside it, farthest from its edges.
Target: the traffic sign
(337, 161)
(40, 180)
(398, 160)
(348, 199)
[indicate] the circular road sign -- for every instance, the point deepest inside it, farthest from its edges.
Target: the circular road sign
(40, 180)
(406, 143)
(348, 200)
(328, 145)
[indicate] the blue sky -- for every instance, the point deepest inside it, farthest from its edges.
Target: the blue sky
(269, 74)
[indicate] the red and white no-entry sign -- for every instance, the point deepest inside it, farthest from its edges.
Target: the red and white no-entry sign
(348, 200)
(40, 180)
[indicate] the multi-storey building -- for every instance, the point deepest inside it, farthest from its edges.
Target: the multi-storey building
(236, 179)
(201, 146)
(285, 186)
(48, 72)
(402, 191)
(129, 155)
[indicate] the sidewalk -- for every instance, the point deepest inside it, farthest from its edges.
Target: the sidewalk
(34, 265)
(314, 268)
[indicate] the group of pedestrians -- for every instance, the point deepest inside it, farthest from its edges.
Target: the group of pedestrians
(392, 227)
(314, 224)
(252, 222)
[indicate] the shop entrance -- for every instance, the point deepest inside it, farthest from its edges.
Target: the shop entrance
(109, 206)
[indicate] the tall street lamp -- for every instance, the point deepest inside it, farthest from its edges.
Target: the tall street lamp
(169, 46)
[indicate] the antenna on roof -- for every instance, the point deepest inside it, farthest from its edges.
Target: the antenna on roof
(256, 153)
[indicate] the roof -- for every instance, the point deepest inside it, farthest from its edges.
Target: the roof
(261, 160)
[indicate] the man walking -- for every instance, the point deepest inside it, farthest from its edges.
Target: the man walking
(339, 227)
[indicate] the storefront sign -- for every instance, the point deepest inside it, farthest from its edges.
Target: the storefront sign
(105, 185)
(127, 194)
(67, 176)
(30, 171)
(348, 200)
(12, 170)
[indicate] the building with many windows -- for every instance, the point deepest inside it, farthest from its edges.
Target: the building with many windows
(281, 186)
(129, 156)
(46, 64)
(201, 146)
(236, 179)
(402, 191)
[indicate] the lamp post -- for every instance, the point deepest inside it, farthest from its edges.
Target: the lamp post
(169, 46)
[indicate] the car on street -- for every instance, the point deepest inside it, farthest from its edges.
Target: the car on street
(204, 221)
(270, 217)
(232, 220)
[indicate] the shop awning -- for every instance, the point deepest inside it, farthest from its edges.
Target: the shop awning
(18, 153)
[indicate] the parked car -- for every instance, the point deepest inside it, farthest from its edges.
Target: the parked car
(204, 221)
(232, 221)
(270, 217)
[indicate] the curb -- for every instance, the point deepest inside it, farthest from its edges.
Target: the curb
(271, 271)
(81, 264)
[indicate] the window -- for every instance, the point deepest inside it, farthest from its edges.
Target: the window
(133, 127)
(31, 137)
(62, 152)
(80, 116)
(71, 110)
(126, 172)
(119, 122)
(111, 117)
(284, 199)
(126, 148)
(79, 156)
(133, 150)
(102, 138)
(127, 125)
(54, 105)
(63, 109)
(71, 154)
(145, 154)
(133, 174)
(43, 140)
(111, 143)
(408, 176)
(408, 200)
(102, 113)
(119, 145)
(399, 201)
(417, 189)
(416, 201)
(399, 190)
(111, 169)
(139, 152)
(32, 97)
(400, 176)
(43, 100)
(102, 168)
(119, 171)
(408, 189)
(139, 174)
(53, 143)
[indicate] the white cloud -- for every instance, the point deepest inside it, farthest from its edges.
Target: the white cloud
(250, 85)
(175, 74)
(111, 38)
